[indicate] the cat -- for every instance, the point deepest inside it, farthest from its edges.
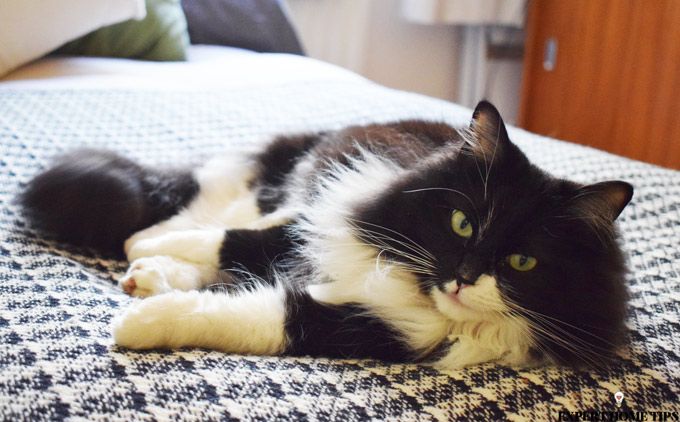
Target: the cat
(411, 241)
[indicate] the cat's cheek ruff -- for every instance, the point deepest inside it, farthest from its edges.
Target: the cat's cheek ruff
(329, 239)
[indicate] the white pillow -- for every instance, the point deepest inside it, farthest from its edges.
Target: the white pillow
(30, 29)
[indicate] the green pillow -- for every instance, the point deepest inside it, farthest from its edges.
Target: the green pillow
(162, 35)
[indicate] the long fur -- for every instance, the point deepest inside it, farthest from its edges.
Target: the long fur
(341, 244)
(98, 198)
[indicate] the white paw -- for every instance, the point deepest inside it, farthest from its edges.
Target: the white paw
(145, 277)
(154, 322)
(464, 352)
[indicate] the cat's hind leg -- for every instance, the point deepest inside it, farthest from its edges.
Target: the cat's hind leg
(154, 275)
(224, 199)
(191, 259)
(177, 260)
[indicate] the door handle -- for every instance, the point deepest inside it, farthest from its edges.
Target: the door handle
(550, 54)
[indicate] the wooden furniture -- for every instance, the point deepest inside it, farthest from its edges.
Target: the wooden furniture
(615, 77)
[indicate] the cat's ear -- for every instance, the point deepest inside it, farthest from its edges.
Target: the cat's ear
(487, 131)
(604, 200)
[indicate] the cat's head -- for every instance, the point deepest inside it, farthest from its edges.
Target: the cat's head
(491, 237)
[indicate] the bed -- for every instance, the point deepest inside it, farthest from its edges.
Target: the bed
(57, 360)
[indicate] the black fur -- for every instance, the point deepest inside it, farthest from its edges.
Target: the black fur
(405, 142)
(344, 331)
(274, 166)
(255, 251)
(97, 198)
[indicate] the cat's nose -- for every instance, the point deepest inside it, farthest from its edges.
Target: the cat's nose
(460, 281)
(469, 270)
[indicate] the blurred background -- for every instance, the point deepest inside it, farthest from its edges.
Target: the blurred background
(603, 73)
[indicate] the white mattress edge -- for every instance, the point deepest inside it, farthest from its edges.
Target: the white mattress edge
(208, 67)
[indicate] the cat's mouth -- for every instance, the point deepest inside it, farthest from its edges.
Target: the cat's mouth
(468, 302)
(455, 295)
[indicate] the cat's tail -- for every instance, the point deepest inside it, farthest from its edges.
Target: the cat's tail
(98, 199)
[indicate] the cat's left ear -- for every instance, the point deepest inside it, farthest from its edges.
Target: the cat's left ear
(487, 130)
(604, 199)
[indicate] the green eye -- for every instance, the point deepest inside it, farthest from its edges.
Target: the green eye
(521, 262)
(460, 224)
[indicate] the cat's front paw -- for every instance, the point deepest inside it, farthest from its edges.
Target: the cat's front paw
(144, 278)
(464, 352)
(154, 322)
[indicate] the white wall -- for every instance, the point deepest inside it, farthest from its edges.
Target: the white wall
(408, 56)
(371, 38)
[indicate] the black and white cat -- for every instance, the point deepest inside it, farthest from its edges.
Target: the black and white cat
(412, 242)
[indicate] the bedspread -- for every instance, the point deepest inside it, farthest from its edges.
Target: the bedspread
(57, 359)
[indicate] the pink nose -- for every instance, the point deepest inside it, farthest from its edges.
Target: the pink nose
(460, 287)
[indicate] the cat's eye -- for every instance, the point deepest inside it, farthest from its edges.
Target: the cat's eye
(460, 224)
(521, 262)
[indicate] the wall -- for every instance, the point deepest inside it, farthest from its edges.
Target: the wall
(371, 38)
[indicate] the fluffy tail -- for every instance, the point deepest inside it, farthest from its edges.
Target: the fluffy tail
(98, 199)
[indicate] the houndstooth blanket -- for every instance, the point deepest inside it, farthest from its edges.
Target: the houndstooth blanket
(57, 360)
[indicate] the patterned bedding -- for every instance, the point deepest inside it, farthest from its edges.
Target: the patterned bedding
(57, 360)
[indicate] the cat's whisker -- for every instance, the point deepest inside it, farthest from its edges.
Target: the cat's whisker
(254, 279)
(429, 283)
(583, 350)
(413, 243)
(493, 158)
(416, 260)
(382, 238)
(556, 320)
(538, 330)
(415, 248)
(521, 324)
(554, 329)
(540, 325)
(378, 260)
(413, 267)
(447, 190)
(558, 332)
(470, 138)
(484, 225)
(382, 242)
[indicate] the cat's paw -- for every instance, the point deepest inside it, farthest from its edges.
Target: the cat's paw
(464, 352)
(145, 277)
(155, 322)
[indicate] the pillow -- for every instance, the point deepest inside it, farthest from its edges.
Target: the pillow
(32, 28)
(161, 36)
(259, 25)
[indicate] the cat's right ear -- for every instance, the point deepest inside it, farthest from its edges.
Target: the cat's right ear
(604, 200)
(487, 131)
